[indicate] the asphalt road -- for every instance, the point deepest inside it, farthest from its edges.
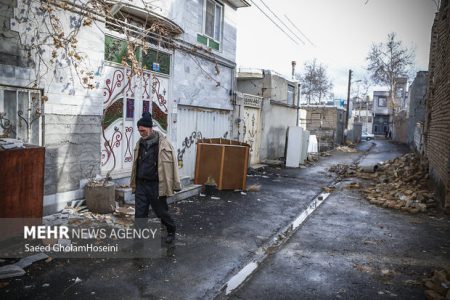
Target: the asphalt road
(217, 238)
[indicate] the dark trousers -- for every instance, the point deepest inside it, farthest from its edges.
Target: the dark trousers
(147, 194)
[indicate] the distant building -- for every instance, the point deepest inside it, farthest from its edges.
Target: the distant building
(362, 113)
(270, 119)
(380, 112)
(326, 122)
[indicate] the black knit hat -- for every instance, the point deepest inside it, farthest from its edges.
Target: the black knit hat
(146, 120)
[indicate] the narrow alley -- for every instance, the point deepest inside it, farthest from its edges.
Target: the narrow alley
(347, 248)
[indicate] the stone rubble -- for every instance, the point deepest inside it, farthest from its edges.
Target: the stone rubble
(438, 286)
(401, 183)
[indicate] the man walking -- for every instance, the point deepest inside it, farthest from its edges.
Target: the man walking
(154, 175)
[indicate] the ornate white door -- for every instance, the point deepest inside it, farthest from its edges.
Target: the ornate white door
(125, 99)
(252, 131)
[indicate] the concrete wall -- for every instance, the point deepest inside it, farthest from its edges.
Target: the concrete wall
(400, 130)
(437, 125)
(252, 86)
(277, 115)
(417, 103)
(192, 86)
(189, 15)
(325, 122)
(365, 117)
(279, 88)
(71, 133)
(276, 119)
(268, 85)
(11, 53)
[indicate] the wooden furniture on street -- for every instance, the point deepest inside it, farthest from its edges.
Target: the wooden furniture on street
(223, 160)
(22, 182)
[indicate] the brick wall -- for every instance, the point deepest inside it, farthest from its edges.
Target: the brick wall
(437, 125)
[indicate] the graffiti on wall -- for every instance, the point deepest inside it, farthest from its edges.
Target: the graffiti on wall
(250, 130)
(186, 144)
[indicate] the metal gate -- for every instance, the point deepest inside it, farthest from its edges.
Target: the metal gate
(251, 125)
(125, 98)
(197, 123)
(252, 132)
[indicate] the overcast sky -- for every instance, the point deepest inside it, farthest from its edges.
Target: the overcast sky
(342, 32)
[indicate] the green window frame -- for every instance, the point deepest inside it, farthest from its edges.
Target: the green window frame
(116, 51)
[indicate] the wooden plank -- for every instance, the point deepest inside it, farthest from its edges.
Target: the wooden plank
(244, 171)
(222, 161)
(197, 163)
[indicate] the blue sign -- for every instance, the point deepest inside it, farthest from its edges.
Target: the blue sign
(155, 67)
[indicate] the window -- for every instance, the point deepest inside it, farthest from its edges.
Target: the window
(20, 115)
(382, 102)
(290, 95)
(399, 92)
(116, 51)
(212, 25)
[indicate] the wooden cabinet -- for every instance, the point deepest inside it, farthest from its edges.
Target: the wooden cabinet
(223, 160)
(22, 182)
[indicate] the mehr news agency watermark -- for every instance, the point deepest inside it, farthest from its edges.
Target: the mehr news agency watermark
(64, 233)
(23, 237)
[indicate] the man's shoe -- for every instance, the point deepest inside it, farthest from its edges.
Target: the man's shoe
(170, 238)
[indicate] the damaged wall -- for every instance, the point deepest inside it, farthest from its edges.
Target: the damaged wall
(417, 110)
(325, 122)
(437, 126)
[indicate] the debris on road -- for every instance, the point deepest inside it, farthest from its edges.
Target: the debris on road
(17, 269)
(29, 260)
(254, 188)
(401, 183)
(347, 149)
(343, 170)
(121, 217)
(9, 271)
(328, 189)
(438, 286)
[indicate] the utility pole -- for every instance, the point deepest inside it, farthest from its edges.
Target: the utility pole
(348, 98)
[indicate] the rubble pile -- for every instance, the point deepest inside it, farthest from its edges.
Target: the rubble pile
(438, 286)
(343, 170)
(402, 184)
(77, 214)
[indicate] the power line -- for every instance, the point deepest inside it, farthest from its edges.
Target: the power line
(273, 22)
(281, 21)
(299, 31)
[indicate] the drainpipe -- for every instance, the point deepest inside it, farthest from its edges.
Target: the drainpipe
(232, 97)
(298, 104)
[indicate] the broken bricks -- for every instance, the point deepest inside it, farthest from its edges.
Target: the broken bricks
(438, 286)
(401, 183)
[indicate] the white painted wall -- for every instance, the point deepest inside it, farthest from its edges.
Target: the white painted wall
(198, 123)
(276, 120)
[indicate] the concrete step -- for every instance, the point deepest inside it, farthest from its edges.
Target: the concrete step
(187, 192)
